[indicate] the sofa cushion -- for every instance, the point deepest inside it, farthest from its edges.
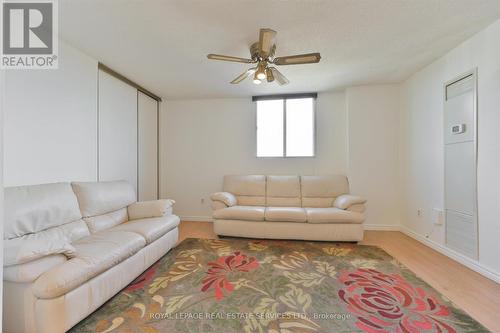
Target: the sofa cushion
(321, 191)
(30, 209)
(285, 214)
(98, 198)
(150, 228)
(248, 200)
(70, 231)
(94, 255)
(106, 221)
(283, 191)
(332, 215)
(248, 213)
(249, 190)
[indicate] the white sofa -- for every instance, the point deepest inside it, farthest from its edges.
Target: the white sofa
(68, 248)
(288, 207)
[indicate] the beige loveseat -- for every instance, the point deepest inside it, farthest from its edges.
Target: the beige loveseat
(288, 207)
(68, 248)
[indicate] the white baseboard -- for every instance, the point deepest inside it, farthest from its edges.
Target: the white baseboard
(196, 218)
(460, 258)
(385, 227)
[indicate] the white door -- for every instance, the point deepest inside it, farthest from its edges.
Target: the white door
(117, 130)
(460, 166)
(148, 147)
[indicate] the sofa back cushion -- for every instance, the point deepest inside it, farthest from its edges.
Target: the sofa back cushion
(283, 191)
(70, 232)
(249, 190)
(99, 198)
(33, 208)
(321, 191)
(106, 221)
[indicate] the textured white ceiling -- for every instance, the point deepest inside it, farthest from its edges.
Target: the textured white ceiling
(162, 45)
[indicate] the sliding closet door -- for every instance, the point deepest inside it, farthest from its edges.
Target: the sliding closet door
(117, 130)
(148, 147)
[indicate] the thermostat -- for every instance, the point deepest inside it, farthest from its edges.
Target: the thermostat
(458, 129)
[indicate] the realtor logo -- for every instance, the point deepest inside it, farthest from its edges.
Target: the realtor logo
(29, 34)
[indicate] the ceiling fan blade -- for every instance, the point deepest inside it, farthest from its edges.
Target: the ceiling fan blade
(266, 42)
(309, 58)
(282, 80)
(244, 75)
(269, 75)
(229, 58)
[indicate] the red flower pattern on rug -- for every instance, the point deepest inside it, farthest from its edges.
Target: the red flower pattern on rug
(142, 279)
(218, 271)
(386, 303)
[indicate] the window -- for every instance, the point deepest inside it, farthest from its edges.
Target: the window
(285, 127)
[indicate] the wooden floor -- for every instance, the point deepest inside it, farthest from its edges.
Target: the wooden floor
(470, 291)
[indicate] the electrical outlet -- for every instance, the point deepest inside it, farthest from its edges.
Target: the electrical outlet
(419, 212)
(202, 200)
(438, 216)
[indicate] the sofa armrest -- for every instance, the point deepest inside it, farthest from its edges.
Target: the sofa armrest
(226, 198)
(345, 201)
(358, 208)
(30, 271)
(148, 209)
(21, 251)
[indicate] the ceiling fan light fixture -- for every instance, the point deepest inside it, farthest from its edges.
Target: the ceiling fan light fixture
(256, 79)
(261, 72)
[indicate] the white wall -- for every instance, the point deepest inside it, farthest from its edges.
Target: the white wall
(373, 121)
(203, 140)
(421, 149)
(50, 121)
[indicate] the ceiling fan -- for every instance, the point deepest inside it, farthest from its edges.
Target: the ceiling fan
(262, 54)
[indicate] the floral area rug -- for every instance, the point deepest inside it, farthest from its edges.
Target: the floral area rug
(256, 286)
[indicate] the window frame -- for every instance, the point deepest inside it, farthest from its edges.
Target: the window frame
(286, 97)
